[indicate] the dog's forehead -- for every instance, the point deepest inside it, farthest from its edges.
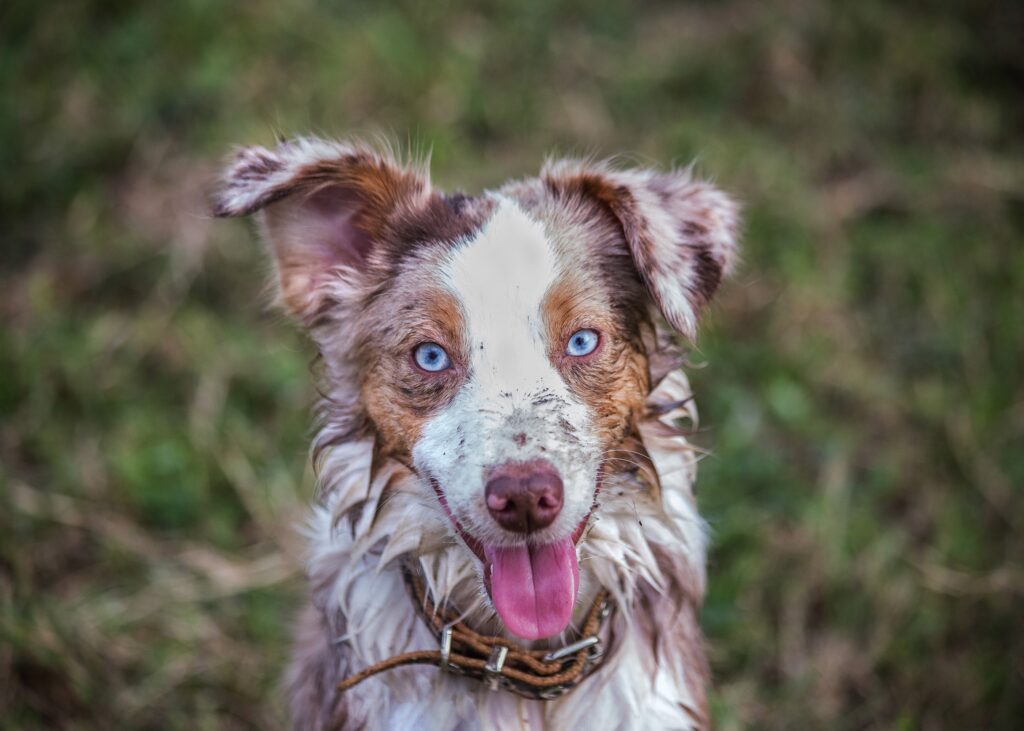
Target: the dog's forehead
(501, 277)
(507, 267)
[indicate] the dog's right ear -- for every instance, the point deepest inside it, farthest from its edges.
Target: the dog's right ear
(324, 206)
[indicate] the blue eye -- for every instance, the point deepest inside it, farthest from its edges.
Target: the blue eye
(431, 357)
(582, 342)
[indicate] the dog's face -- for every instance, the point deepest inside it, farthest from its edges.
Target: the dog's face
(498, 345)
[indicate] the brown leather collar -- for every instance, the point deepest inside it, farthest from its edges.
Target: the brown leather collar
(536, 674)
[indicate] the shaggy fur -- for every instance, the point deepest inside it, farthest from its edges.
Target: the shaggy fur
(373, 261)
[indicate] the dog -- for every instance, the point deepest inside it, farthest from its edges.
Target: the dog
(498, 451)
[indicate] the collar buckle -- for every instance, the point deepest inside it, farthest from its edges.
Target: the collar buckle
(446, 651)
(494, 665)
(591, 641)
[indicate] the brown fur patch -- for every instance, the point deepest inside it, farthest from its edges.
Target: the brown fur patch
(613, 379)
(398, 396)
(600, 290)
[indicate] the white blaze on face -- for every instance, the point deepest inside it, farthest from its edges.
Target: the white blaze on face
(501, 278)
(514, 406)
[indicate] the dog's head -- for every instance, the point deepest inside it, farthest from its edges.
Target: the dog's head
(497, 345)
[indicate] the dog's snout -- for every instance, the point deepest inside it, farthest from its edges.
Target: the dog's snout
(524, 497)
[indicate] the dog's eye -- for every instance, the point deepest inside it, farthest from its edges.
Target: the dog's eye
(431, 357)
(582, 342)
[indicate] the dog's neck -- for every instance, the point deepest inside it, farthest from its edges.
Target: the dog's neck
(646, 549)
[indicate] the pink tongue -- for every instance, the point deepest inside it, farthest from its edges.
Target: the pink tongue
(534, 587)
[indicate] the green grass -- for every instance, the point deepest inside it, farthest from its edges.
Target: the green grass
(862, 393)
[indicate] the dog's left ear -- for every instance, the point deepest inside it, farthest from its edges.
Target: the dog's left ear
(681, 232)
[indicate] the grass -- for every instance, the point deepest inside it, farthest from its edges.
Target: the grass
(862, 393)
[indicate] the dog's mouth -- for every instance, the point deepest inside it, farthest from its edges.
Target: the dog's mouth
(533, 587)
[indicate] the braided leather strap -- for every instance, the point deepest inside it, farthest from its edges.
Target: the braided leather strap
(537, 674)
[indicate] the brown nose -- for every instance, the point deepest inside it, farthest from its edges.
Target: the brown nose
(524, 496)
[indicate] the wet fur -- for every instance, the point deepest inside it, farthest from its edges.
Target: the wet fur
(363, 245)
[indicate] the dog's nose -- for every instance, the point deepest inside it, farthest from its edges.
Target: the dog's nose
(524, 497)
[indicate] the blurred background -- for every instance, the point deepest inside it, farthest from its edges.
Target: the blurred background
(860, 380)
